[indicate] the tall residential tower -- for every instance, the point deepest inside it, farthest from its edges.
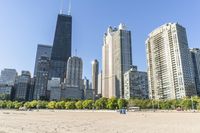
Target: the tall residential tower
(170, 73)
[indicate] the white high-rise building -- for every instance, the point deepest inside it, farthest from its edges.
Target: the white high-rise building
(116, 60)
(195, 54)
(170, 72)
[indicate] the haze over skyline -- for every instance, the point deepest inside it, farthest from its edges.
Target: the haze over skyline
(24, 24)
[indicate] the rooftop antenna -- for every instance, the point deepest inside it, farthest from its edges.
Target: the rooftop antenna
(75, 52)
(69, 10)
(61, 7)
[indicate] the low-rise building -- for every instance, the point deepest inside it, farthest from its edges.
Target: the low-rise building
(135, 84)
(71, 93)
(22, 86)
(54, 87)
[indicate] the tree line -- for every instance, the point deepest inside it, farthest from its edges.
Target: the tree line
(105, 103)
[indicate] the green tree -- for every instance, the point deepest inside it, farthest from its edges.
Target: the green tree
(60, 105)
(17, 104)
(70, 105)
(88, 104)
(51, 105)
(112, 103)
(33, 104)
(79, 105)
(186, 103)
(122, 103)
(9, 105)
(2, 104)
(101, 103)
(42, 104)
(27, 105)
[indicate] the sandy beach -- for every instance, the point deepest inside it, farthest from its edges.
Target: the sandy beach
(49, 121)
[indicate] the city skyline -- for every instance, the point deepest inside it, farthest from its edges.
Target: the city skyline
(39, 27)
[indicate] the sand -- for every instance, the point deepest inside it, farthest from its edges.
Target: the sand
(48, 121)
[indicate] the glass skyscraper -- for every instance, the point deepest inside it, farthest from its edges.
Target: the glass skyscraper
(61, 50)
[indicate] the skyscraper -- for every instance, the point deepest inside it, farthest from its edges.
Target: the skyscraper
(74, 72)
(117, 59)
(61, 50)
(40, 91)
(195, 53)
(95, 72)
(42, 50)
(170, 73)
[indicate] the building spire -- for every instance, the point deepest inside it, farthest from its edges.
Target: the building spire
(69, 10)
(61, 6)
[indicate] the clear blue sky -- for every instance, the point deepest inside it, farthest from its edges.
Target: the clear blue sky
(25, 23)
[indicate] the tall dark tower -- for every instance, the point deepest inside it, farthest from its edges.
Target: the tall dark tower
(61, 50)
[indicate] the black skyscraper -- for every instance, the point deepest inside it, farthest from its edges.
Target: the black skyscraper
(61, 50)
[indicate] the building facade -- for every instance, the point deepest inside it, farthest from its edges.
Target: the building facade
(116, 60)
(135, 84)
(42, 50)
(95, 72)
(170, 73)
(61, 50)
(40, 91)
(195, 54)
(22, 86)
